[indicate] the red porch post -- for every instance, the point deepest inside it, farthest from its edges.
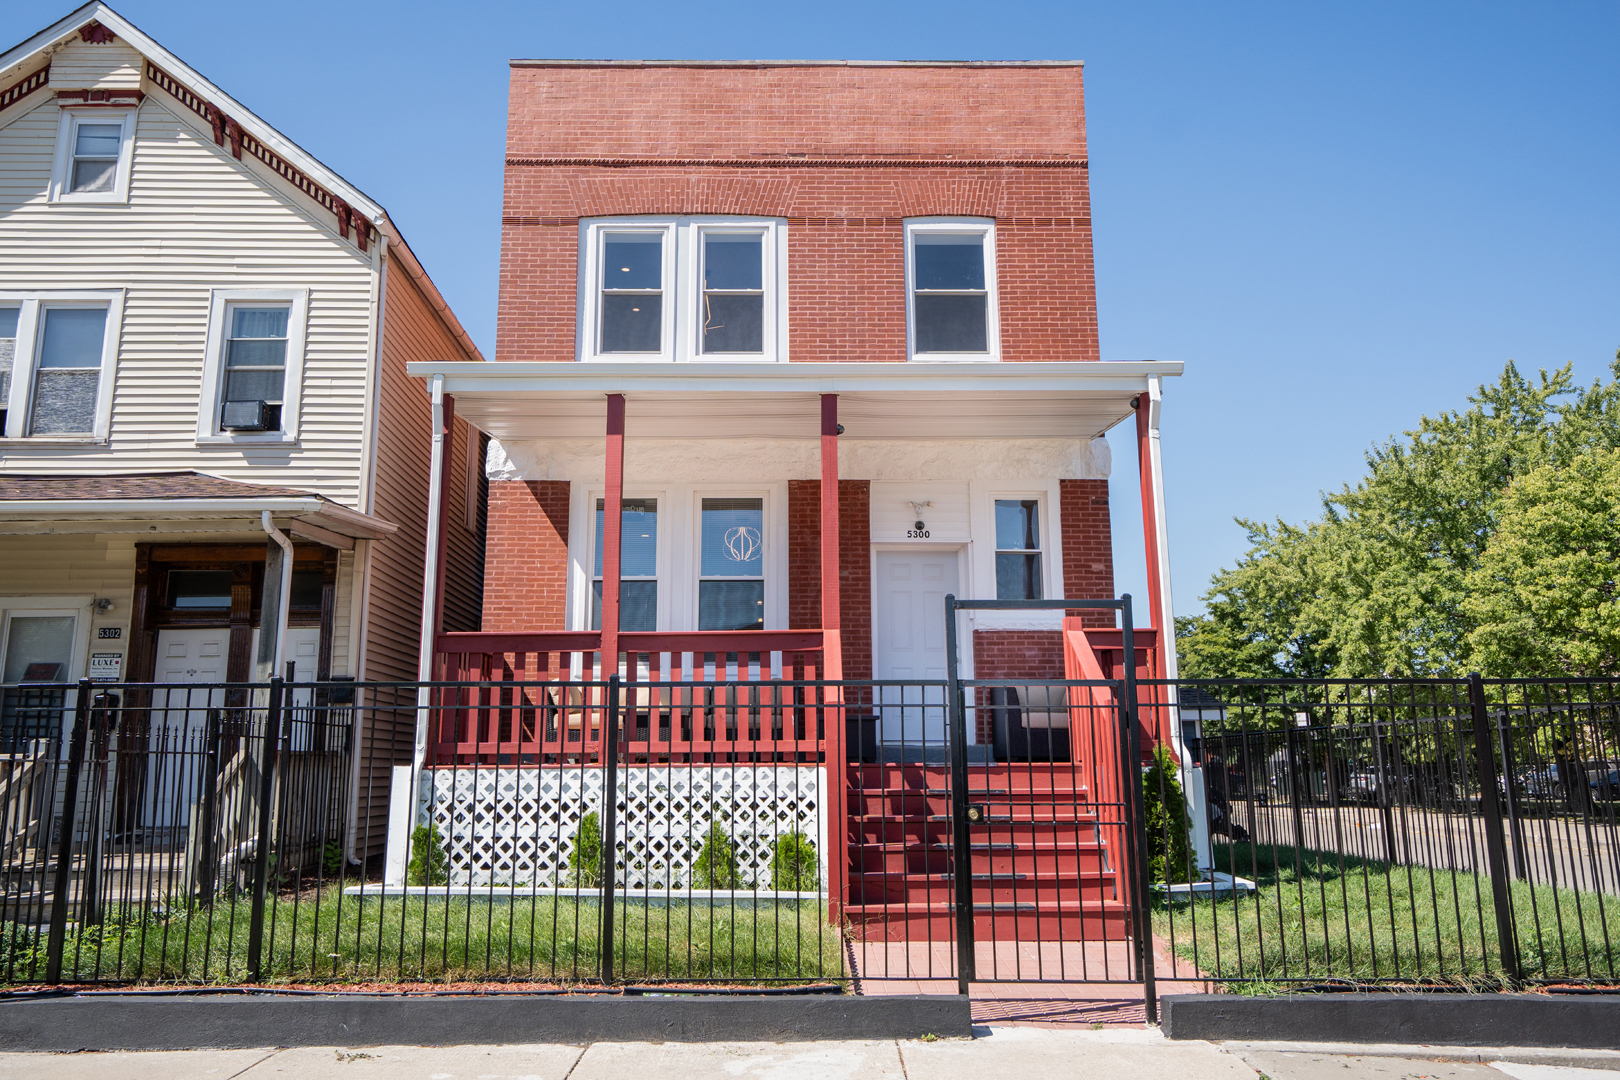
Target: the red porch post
(612, 524)
(832, 666)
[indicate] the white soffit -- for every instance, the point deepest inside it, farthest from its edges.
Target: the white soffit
(876, 401)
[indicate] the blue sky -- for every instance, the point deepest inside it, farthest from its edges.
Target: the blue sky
(1339, 216)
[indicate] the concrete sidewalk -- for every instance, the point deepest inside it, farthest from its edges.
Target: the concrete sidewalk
(1018, 1052)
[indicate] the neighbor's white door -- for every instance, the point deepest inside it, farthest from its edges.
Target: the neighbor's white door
(190, 662)
(908, 639)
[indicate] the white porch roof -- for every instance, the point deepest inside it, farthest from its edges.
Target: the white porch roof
(1074, 400)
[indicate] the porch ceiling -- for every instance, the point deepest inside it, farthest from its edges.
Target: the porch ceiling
(729, 400)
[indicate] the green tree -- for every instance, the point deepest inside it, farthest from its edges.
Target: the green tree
(1379, 584)
(1543, 597)
(429, 863)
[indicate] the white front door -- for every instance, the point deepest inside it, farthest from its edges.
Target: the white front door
(908, 639)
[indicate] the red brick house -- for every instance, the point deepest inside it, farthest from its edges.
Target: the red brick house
(790, 315)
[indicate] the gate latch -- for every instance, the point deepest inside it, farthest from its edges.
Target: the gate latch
(976, 814)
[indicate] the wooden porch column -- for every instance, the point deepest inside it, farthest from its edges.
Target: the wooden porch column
(446, 429)
(612, 525)
(832, 669)
(830, 619)
(1152, 534)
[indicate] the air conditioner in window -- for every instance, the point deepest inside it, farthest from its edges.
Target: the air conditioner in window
(244, 416)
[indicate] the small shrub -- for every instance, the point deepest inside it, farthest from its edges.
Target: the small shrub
(585, 853)
(793, 864)
(1165, 808)
(716, 866)
(430, 864)
(332, 860)
(22, 952)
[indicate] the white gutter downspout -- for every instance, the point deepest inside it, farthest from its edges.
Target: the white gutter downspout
(424, 665)
(284, 600)
(1192, 780)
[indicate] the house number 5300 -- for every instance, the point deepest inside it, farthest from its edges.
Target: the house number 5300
(916, 534)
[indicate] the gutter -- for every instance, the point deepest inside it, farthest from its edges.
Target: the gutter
(332, 515)
(284, 597)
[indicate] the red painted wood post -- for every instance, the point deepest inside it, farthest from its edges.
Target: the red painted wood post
(832, 666)
(612, 525)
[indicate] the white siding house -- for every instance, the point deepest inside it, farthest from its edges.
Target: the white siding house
(199, 324)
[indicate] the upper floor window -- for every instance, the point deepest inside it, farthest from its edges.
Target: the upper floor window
(93, 155)
(951, 289)
(57, 352)
(656, 288)
(254, 359)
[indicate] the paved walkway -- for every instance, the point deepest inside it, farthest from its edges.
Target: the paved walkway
(1024, 1053)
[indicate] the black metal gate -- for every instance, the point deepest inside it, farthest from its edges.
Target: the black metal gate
(1049, 879)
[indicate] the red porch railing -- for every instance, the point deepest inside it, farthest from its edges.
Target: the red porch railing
(741, 696)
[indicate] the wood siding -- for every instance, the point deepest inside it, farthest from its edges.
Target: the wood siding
(197, 220)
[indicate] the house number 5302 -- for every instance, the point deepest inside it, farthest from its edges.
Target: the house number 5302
(916, 534)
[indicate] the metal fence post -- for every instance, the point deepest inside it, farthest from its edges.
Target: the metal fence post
(610, 822)
(261, 862)
(206, 870)
(961, 843)
(1141, 880)
(64, 842)
(1495, 848)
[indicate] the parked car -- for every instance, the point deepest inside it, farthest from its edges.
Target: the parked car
(1549, 781)
(1363, 784)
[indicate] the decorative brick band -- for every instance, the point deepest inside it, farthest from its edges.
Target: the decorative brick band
(853, 223)
(807, 163)
(227, 129)
(19, 90)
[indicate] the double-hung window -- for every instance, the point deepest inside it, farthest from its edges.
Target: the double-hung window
(638, 566)
(951, 289)
(1018, 549)
(664, 288)
(94, 151)
(254, 359)
(57, 353)
(255, 367)
(731, 570)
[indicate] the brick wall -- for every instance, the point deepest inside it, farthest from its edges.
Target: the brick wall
(526, 572)
(1088, 545)
(844, 153)
(1015, 654)
(855, 575)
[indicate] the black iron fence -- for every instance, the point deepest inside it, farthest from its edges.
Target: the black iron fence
(1458, 832)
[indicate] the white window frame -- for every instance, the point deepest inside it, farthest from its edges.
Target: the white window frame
(220, 304)
(957, 226)
(680, 555)
(25, 361)
(62, 167)
(982, 555)
(682, 333)
(662, 564)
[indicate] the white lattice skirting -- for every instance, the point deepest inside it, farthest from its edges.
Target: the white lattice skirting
(514, 826)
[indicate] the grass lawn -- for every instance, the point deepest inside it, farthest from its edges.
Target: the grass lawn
(1322, 916)
(541, 939)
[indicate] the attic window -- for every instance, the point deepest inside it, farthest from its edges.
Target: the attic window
(94, 151)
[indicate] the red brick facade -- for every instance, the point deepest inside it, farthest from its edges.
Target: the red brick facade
(854, 577)
(845, 154)
(526, 568)
(1088, 545)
